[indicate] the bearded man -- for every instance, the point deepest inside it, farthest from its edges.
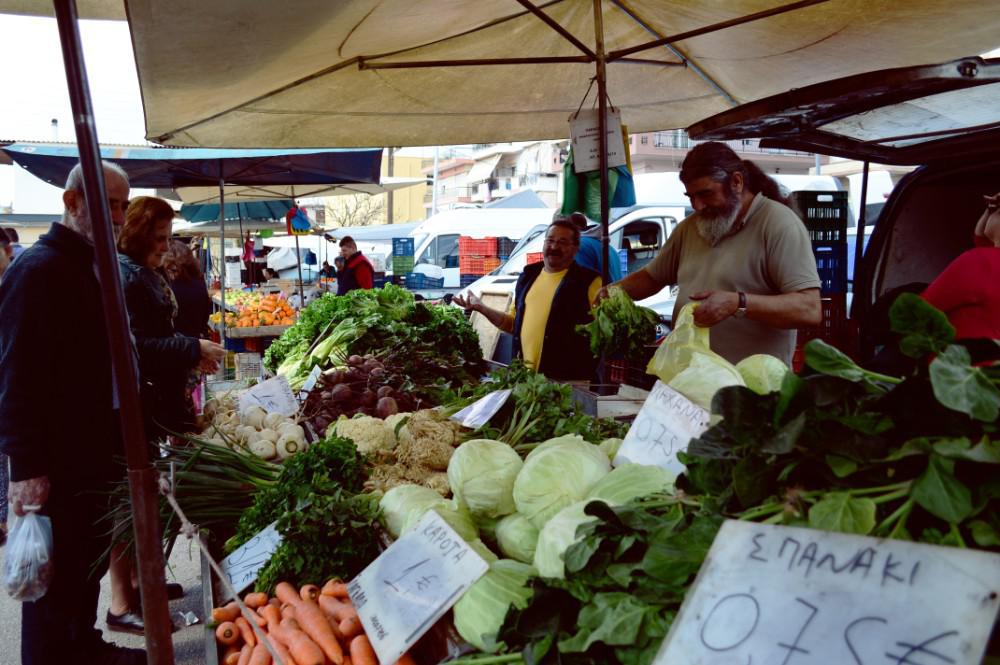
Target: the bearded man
(744, 255)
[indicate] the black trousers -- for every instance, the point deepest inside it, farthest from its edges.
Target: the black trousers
(60, 626)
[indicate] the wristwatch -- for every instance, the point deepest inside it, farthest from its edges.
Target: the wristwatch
(741, 309)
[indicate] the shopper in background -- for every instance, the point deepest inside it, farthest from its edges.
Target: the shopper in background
(55, 352)
(187, 282)
(550, 299)
(15, 242)
(358, 272)
(743, 254)
(591, 252)
(166, 358)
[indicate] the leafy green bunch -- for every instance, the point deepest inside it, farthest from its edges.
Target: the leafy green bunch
(620, 327)
(845, 449)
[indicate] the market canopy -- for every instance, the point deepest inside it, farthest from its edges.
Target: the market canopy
(198, 195)
(395, 72)
(173, 168)
(242, 211)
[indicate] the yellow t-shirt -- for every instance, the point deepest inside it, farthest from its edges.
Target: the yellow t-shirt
(537, 305)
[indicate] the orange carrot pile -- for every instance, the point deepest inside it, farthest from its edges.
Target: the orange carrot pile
(306, 626)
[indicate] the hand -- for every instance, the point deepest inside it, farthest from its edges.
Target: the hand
(715, 307)
(604, 293)
(31, 492)
(470, 302)
(208, 366)
(210, 351)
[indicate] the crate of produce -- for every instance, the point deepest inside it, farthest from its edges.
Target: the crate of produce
(418, 280)
(248, 366)
(466, 280)
(504, 247)
(477, 246)
(402, 264)
(402, 247)
(824, 213)
(534, 257)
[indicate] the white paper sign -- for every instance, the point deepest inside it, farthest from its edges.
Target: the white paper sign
(310, 382)
(273, 395)
(793, 596)
(585, 134)
(479, 412)
(663, 427)
(242, 566)
(412, 584)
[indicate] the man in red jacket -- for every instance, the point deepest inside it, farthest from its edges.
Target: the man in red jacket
(358, 272)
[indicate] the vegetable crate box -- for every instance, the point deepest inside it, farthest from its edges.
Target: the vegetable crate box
(625, 403)
(477, 246)
(835, 329)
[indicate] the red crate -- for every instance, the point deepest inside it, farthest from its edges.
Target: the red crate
(477, 246)
(534, 257)
(491, 263)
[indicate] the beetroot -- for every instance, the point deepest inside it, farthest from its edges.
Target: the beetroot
(341, 393)
(386, 407)
(369, 398)
(384, 391)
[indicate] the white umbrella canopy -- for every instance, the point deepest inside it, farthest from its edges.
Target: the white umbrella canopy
(237, 193)
(382, 72)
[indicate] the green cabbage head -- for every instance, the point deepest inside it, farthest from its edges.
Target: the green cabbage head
(558, 534)
(517, 537)
(481, 473)
(631, 481)
(762, 373)
(404, 505)
(556, 475)
(479, 613)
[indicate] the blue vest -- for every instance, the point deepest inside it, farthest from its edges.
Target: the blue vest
(565, 352)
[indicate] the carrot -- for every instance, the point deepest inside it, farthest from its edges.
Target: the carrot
(362, 652)
(336, 608)
(275, 602)
(231, 656)
(246, 632)
(281, 650)
(245, 654)
(301, 648)
(227, 633)
(335, 588)
(255, 600)
(309, 592)
(227, 612)
(273, 618)
(406, 659)
(260, 656)
(350, 627)
(313, 622)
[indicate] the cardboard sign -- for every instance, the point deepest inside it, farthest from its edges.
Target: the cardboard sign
(585, 134)
(792, 596)
(242, 566)
(479, 412)
(412, 584)
(273, 395)
(663, 427)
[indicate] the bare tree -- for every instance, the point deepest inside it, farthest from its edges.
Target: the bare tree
(355, 210)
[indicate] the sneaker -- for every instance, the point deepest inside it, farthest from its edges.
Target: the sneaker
(129, 622)
(106, 653)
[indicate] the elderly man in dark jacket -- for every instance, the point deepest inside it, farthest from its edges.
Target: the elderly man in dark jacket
(58, 422)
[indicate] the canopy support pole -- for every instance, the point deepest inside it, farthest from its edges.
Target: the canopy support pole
(860, 305)
(222, 251)
(142, 477)
(298, 259)
(602, 128)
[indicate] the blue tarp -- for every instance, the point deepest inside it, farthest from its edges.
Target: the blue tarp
(170, 168)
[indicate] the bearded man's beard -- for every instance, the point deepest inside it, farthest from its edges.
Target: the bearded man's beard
(714, 223)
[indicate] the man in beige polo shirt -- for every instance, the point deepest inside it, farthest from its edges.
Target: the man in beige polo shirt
(744, 255)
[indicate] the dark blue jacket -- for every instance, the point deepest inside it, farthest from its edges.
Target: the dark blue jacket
(56, 404)
(565, 352)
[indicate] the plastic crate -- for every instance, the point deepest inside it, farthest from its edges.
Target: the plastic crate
(466, 280)
(477, 265)
(418, 280)
(834, 329)
(534, 257)
(505, 246)
(623, 260)
(402, 264)
(248, 366)
(477, 246)
(451, 261)
(402, 247)
(491, 263)
(831, 265)
(824, 213)
(235, 344)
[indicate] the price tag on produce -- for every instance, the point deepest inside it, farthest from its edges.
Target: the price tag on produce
(242, 566)
(479, 412)
(310, 382)
(412, 584)
(663, 427)
(273, 395)
(772, 594)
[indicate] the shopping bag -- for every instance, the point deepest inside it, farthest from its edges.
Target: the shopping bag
(27, 567)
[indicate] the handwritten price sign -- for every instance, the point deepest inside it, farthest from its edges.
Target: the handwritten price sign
(663, 427)
(273, 395)
(242, 566)
(412, 584)
(790, 596)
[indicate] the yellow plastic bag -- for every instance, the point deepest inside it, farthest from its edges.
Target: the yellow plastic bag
(686, 362)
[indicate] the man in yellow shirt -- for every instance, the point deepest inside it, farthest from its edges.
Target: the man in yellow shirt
(551, 298)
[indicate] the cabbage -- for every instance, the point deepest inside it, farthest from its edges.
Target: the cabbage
(610, 447)
(762, 373)
(481, 473)
(631, 481)
(706, 373)
(480, 548)
(556, 537)
(479, 613)
(517, 537)
(487, 527)
(565, 440)
(556, 476)
(404, 505)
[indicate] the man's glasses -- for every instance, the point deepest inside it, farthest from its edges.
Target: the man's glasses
(558, 243)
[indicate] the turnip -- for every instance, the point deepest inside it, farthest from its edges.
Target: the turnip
(263, 448)
(269, 434)
(253, 415)
(288, 446)
(272, 420)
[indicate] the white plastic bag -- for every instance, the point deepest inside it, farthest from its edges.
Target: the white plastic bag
(27, 567)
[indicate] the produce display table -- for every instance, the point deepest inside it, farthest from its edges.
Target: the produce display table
(257, 331)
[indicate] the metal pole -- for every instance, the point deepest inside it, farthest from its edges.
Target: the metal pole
(859, 247)
(388, 195)
(222, 252)
(819, 166)
(142, 478)
(298, 259)
(434, 191)
(602, 105)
